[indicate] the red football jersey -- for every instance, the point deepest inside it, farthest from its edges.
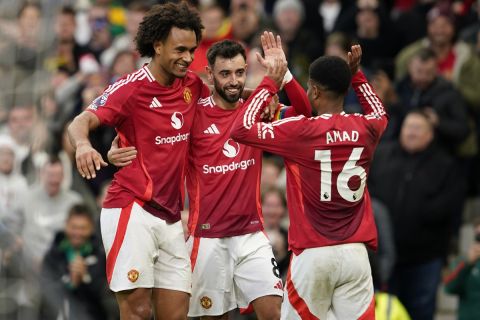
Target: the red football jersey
(157, 121)
(327, 160)
(223, 176)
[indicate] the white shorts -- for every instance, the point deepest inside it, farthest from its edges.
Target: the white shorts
(231, 272)
(144, 251)
(332, 282)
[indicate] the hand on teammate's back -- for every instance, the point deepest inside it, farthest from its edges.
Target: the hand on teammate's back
(88, 160)
(121, 157)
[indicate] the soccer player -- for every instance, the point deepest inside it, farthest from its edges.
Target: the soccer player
(152, 110)
(232, 260)
(327, 158)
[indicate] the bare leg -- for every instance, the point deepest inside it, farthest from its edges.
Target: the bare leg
(135, 304)
(267, 307)
(170, 304)
(222, 317)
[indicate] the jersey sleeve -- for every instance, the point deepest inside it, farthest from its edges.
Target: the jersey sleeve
(280, 137)
(299, 100)
(111, 107)
(373, 108)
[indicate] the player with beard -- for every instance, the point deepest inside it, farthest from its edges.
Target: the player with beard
(152, 110)
(232, 260)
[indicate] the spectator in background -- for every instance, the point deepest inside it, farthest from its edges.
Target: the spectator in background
(30, 137)
(374, 33)
(73, 278)
(125, 62)
(12, 184)
(21, 53)
(419, 184)
(66, 50)
(246, 21)
(274, 209)
(43, 213)
(44, 209)
(409, 22)
(135, 12)
(385, 255)
(470, 34)
(423, 90)
(217, 28)
(100, 39)
(450, 55)
(463, 279)
(327, 16)
(299, 44)
(271, 170)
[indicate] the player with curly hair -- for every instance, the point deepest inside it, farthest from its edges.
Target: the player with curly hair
(152, 109)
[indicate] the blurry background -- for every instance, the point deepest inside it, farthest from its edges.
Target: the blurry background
(422, 57)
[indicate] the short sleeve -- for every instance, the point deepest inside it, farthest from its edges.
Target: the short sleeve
(112, 107)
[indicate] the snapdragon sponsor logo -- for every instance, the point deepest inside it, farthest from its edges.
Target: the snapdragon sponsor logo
(172, 139)
(233, 166)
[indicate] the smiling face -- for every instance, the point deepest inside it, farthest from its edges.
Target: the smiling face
(228, 76)
(175, 54)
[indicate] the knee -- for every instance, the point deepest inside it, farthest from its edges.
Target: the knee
(141, 311)
(269, 314)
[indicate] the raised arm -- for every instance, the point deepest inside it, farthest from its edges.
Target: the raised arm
(280, 137)
(272, 48)
(371, 104)
(87, 158)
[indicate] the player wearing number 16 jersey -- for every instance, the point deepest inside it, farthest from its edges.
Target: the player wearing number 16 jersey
(327, 160)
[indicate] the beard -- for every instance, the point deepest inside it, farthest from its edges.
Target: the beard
(226, 96)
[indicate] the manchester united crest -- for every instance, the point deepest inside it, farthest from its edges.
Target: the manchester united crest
(206, 302)
(187, 95)
(132, 275)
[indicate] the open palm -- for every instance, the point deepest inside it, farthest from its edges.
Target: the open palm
(272, 49)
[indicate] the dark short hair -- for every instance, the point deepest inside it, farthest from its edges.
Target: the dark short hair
(226, 49)
(424, 54)
(158, 22)
(80, 210)
(332, 73)
(68, 11)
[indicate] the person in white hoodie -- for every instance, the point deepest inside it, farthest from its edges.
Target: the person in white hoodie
(12, 184)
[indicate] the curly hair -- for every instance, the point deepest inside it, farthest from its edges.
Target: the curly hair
(158, 22)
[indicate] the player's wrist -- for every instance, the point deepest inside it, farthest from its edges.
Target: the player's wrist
(288, 77)
(82, 143)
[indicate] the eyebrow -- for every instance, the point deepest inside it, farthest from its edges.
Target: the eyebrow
(182, 48)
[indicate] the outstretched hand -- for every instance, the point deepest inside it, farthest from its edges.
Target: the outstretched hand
(277, 70)
(354, 57)
(272, 49)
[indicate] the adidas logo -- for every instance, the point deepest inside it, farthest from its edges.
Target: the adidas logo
(212, 129)
(155, 103)
(278, 285)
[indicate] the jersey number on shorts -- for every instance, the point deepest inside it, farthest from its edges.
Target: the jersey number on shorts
(276, 271)
(350, 169)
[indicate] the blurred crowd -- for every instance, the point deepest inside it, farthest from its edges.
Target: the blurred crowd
(421, 56)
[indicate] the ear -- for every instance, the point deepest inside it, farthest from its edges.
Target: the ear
(209, 74)
(158, 46)
(316, 91)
